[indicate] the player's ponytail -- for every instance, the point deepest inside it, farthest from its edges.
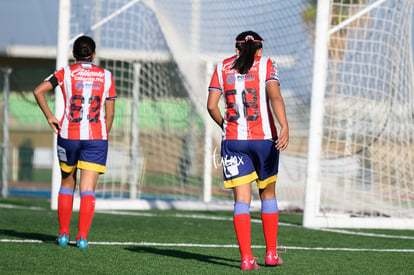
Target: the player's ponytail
(247, 43)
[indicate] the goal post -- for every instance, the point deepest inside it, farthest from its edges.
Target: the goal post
(361, 117)
(320, 68)
(135, 69)
(346, 82)
(62, 59)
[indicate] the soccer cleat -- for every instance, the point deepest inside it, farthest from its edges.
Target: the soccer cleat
(249, 264)
(82, 243)
(62, 240)
(272, 259)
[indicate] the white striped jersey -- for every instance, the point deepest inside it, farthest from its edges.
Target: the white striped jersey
(85, 89)
(247, 112)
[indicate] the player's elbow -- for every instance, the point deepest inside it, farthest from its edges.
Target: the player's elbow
(211, 106)
(42, 89)
(36, 92)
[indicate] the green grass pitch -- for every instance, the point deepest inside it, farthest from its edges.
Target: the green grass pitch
(179, 242)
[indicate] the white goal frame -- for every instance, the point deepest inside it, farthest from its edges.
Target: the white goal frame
(325, 158)
(64, 41)
(313, 217)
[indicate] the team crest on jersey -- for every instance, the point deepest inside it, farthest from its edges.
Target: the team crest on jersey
(230, 79)
(79, 85)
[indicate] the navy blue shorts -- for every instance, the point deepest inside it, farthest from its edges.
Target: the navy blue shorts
(82, 154)
(245, 161)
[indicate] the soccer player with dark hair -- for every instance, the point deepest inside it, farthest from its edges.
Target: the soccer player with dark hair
(249, 83)
(89, 106)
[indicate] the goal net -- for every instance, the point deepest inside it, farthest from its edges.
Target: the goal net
(164, 149)
(362, 173)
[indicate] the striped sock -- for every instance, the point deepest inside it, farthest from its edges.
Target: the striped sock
(65, 204)
(86, 211)
(270, 219)
(242, 225)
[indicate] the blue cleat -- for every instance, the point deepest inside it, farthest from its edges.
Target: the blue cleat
(82, 243)
(62, 240)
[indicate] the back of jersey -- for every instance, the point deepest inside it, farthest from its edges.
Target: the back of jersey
(248, 116)
(85, 88)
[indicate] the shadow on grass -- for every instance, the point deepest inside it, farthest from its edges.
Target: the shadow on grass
(29, 235)
(185, 255)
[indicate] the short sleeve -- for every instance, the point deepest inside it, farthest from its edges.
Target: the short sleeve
(112, 91)
(215, 82)
(272, 71)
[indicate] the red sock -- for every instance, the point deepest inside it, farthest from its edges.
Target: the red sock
(65, 203)
(270, 226)
(86, 211)
(242, 226)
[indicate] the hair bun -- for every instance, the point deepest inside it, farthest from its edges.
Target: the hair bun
(84, 47)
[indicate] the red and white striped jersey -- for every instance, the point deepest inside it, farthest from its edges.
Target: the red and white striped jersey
(248, 114)
(85, 89)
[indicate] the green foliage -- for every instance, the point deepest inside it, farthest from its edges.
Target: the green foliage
(339, 15)
(309, 14)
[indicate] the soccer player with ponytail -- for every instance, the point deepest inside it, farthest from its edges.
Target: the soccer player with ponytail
(82, 143)
(249, 83)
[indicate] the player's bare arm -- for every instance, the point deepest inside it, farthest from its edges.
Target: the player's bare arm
(212, 107)
(278, 107)
(109, 113)
(39, 93)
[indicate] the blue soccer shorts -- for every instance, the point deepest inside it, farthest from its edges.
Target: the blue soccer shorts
(82, 154)
(245, 161)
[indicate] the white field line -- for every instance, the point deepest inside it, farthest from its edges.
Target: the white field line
(366, 234)
(208, 217)
(152, 244)
(6, 205)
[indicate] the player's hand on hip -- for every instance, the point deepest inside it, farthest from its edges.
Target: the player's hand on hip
(54, 124)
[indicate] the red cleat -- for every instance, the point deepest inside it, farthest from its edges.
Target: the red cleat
(249, 264)
(272, 259)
